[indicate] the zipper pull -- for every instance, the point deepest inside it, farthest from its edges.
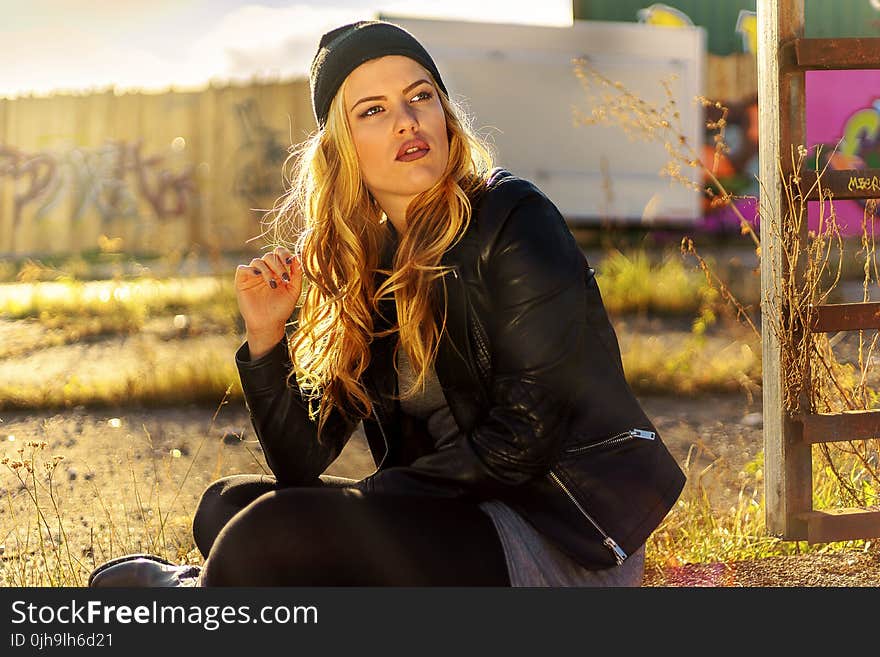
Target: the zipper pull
(639, 433)
(619, 554)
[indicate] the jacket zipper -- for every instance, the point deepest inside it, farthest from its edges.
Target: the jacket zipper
(381, 428)
(610, 543)
(384, 438)
(619, 438)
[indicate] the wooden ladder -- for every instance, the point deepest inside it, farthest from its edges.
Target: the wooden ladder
(784, 56)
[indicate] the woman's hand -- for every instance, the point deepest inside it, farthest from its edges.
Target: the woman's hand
(267, 290)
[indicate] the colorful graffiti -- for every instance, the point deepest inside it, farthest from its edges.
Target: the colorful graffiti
(859, 147)
(843, 128)
(747, 27)
(864, 184)
(735, 165)
(843, 131)
(32, 177)
(109, 180)
(664, 15)
(850, 139)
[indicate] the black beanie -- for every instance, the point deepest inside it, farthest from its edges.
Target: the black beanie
(345, 48)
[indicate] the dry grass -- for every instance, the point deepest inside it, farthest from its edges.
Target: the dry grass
(112, 299)
(196, 374)
(162, 353)
(815, 379)
(635, 283)
(147, 515)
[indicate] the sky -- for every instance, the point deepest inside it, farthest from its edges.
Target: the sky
(83, 45)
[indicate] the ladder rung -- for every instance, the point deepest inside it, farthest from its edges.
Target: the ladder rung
(832, 317)
(840, 427)
(837, 54)
(842, 183)
(831, 525)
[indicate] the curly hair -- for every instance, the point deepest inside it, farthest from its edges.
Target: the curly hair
(335, 225)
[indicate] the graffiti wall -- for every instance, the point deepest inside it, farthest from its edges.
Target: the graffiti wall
(146, 172)
(735, 165)
(56, 192)
(731, 80)
(843, 132)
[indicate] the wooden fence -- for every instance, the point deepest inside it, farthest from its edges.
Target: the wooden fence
(153, 172)
(175, 170)
(731, 78)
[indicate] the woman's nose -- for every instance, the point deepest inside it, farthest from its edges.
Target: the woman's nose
(406, 119)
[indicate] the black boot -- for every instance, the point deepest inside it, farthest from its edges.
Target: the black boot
(143, 570)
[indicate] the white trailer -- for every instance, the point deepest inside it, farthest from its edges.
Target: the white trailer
(519, 84)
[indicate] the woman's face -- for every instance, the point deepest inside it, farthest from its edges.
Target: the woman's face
(398, 127)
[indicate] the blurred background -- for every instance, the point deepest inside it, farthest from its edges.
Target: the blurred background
(154, 127)
(142, 144)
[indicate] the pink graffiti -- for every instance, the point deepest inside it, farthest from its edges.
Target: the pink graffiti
(37, 170)
(167, 193)
(97, 177)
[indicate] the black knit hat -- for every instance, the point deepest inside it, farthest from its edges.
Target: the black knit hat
(345, 48)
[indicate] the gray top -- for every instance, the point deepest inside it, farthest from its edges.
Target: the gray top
(532, 560)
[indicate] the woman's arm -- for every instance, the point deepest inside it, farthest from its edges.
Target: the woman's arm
(267, 290)
(281, 421)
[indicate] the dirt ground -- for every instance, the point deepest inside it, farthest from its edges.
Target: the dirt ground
(133, 466)
(127, 468)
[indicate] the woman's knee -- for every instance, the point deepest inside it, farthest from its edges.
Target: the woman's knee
(221, 500)
(281, 536)
(216, 495)
(243, 549)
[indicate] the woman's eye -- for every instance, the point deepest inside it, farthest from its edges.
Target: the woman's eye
(376, 109)
(370, 111)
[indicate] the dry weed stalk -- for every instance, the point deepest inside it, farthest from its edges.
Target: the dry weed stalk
(40, 554)
(51, 559)
(814, 379)
(613, 104)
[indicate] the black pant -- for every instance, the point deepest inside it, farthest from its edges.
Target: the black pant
(254, 533)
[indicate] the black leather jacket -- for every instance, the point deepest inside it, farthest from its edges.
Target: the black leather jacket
(531, 369)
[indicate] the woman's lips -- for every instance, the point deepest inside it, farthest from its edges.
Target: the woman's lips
(420, 144)
(409, 157)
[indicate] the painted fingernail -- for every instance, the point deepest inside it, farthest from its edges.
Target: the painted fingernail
(285, 278)
(257, 271)
(273, 284)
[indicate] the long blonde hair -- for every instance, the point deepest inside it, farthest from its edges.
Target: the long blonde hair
(334, 224)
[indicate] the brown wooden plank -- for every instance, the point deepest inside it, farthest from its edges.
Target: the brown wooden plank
(832, 317)
(787, 459)
(831, 525)
(837, 54)
(839, 427)
(842, 183)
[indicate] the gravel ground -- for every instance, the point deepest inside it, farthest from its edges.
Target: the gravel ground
(840, 569)
(169, 455)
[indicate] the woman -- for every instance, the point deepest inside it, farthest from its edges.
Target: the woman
(449, 310)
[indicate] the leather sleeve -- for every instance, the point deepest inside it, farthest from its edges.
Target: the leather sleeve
(535, 284)
(281, 421)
